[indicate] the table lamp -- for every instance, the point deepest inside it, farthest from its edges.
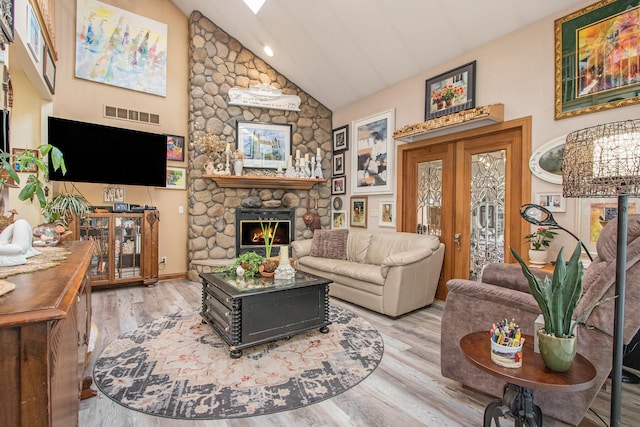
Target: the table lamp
(604, 161)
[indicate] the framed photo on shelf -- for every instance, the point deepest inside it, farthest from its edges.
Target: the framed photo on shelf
(176, 178)
(339, 185)
(30, 167)
(359, 211)
(49, 70)
(451, 92)
(338, 164)
(6, 20)
(593, 214)
(595, 65)
(387, 213)
(551, 200)
(175, 148)
(264, 145)
(341, 138)
(372, 162)
(339, 219)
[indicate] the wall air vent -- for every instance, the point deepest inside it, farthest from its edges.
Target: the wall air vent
(131, 115)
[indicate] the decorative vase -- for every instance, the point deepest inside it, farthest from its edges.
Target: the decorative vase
(237, 167)
(449, 102)
(537, 257)
(46, 235)
(557, 353)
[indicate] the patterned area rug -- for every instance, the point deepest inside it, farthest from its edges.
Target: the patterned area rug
(179, 368)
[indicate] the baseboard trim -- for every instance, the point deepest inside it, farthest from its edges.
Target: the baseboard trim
(172, 276)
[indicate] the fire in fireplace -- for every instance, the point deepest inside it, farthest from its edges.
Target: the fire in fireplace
(249, 236)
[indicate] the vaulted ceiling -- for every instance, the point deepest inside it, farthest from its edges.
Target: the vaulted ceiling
(340, 51)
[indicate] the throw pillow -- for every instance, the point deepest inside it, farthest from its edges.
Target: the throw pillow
(330, 244)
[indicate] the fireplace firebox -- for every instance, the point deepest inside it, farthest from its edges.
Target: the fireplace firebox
(249, 234)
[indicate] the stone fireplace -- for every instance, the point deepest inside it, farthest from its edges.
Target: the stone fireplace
(218, 62)
(250, 232)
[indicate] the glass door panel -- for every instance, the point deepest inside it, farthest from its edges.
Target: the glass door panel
(430, 198)
(127, 247)
(97, 230)
(487, 210)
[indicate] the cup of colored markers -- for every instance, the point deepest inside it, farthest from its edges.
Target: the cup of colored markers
(506, 344)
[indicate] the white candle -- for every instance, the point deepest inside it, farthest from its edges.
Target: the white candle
(297, 154)
(318, 153)
(284, 254)
(302, 162)
(228, 147)
(306, 157)
(290, 161)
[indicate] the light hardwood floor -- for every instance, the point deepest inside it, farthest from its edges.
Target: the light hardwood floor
(405, 390)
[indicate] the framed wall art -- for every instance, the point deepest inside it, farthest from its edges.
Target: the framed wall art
(339, 219)
(451, 92)
(175, 148)
(372, 161)
(597, 58)
(112, 194)
(359, 211)
(6, 20)
(264, 145)
(387, 213)
(339, 185)
(546, 161)
(141, 58)
(176, 178)
(49, 70)
(34, 37)
(29, 167)
(341, 138)
(593, 214)
(551, 200)
(338, 164)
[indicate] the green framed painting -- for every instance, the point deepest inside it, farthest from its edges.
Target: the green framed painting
(597, 58)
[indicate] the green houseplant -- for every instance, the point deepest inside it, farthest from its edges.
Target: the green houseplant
(63, 207)
(34, 185)
(269, 235)
(249, 261)
(557, 299)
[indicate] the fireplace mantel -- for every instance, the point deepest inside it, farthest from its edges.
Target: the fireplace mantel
(231, 181)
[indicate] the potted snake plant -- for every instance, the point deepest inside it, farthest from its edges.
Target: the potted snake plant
(557, 299)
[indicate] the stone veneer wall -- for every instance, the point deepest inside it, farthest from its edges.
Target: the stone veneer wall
(219, 62)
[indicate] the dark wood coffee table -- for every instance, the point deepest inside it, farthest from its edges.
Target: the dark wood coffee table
(246, 312)
(518, 396)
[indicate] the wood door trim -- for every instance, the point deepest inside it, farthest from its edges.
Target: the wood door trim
(522, 127)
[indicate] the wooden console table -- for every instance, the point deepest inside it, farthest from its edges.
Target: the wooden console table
(532, 375)
(45, 324)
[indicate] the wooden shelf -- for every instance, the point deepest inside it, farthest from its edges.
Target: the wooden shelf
(232, 181)
(456, 122)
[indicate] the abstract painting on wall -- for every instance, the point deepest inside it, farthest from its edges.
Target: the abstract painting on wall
(120, 48)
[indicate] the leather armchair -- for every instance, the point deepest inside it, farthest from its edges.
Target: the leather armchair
(504, 293)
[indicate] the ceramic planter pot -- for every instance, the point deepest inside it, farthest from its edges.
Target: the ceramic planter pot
(557, 353)
(537, 257)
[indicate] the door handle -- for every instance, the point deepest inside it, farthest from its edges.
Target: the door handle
(456, 240)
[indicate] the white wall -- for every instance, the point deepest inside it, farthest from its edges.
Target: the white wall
(516, 70)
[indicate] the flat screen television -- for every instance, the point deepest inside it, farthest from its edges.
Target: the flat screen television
(108, 155)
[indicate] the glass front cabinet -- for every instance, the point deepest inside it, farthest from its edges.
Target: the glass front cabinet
(126, 246)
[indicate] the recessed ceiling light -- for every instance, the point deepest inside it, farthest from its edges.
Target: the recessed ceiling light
(254, 5)
(268, 51)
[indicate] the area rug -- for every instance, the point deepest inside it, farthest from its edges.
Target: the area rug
(179, 368)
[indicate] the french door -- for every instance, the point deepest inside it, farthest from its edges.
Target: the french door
(467, 189)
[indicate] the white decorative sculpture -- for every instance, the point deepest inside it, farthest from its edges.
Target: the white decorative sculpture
(284, 270)
(15, 244)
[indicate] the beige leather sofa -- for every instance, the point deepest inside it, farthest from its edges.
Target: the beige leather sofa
(392, 273)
